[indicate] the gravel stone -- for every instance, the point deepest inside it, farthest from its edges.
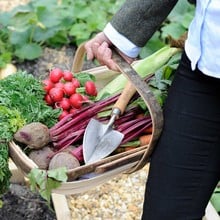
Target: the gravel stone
(120, 198)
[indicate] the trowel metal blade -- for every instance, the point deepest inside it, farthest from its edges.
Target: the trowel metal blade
(108, 143)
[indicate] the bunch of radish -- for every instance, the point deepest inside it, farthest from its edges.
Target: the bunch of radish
(65, 91)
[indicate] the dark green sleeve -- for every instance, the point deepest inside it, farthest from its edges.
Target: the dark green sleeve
(137, 20)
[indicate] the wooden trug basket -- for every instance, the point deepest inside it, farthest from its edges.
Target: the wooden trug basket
(107, 168)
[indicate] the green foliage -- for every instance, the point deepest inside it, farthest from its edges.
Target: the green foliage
(25, 93)
(21, 102)
(162, 79)
(91, 17)
(49, 23)
(5, 173)
(28, 28)
(6, 48)
(10, 121)
(44, 182)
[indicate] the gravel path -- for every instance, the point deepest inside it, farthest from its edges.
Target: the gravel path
(119, 198)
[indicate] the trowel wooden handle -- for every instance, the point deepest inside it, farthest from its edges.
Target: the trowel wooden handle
(125, 97)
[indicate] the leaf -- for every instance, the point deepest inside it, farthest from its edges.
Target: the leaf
(52, 20)
(22, 21)
(58, 174)
(29, 51)
(44, 181)
(173, 29)
(5, 18)
(21, 9)
(44, 34)
(154, 44)
(83, 77)
(20, 38)
(187, 18)
(46, 192)
(59, 39)
(181, 9)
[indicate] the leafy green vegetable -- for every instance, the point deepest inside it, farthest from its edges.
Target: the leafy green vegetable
(44, 181)
(21, 102)
(162, 79)
(84, 77)
(144, 67)
(10, 121)
(5, 173)
(25, 93)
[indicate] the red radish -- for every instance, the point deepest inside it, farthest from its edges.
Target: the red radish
(48, 85)
(55, 75)
(59, 85)
(69, 88)
(64, 104)
(76, 100)
(85, 98)
(63, 114)
(72, 110)
(67, 75)
(56, 94)
(90, 88)
(76, 82)
(48, 99)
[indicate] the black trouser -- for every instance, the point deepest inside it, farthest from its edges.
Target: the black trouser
(185, 165)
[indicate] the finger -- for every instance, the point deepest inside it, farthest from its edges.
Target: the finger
(104, 55)
(94, 48)
(89, 51)
(103, 52)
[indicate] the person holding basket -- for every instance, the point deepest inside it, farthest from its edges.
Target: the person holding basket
(185, 165)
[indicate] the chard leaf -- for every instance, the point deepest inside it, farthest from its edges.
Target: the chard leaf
(44, 182)
(58, 174)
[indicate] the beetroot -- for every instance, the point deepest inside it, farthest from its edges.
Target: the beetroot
(63, 159)
(36, 135)
(41, 157)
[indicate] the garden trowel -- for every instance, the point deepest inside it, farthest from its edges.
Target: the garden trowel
(101, 139)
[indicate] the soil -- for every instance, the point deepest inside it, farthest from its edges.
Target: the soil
(21, 204)
(62, 58)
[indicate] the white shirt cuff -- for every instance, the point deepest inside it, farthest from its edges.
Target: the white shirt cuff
(121, 42)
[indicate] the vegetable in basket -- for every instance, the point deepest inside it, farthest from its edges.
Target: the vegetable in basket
(21, 102)
(143, 67)
(10, 121)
